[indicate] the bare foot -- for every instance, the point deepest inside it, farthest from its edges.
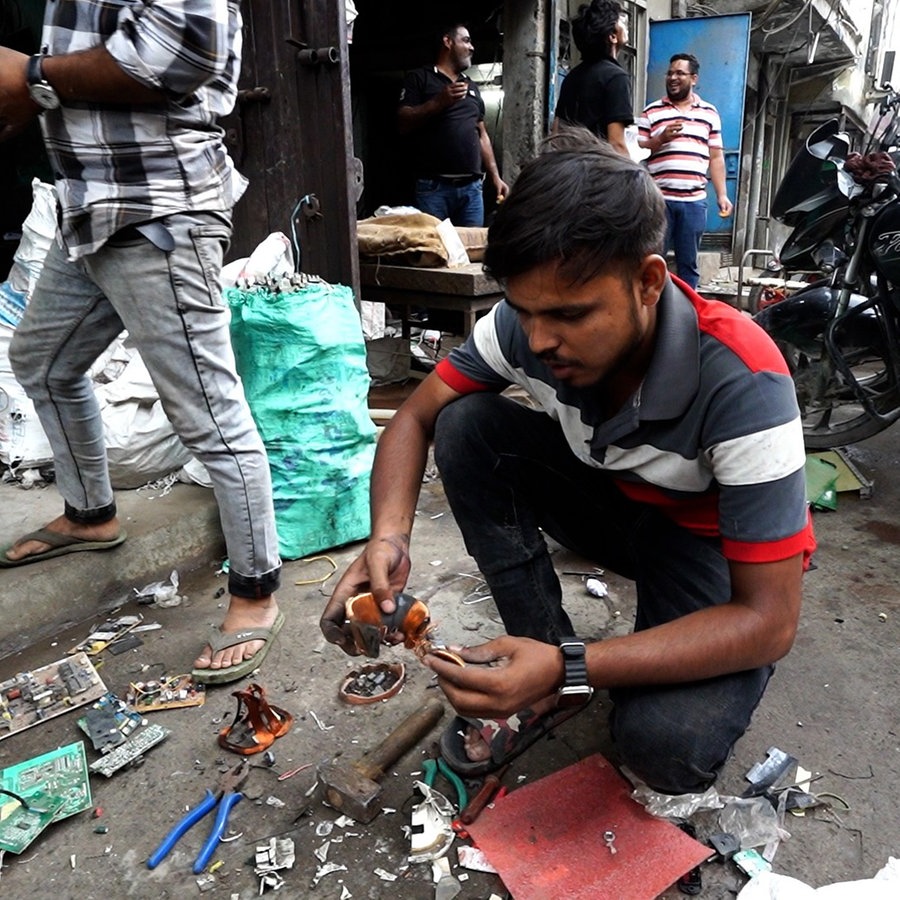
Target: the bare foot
(104, 531)
(478, 749)
(242, 614)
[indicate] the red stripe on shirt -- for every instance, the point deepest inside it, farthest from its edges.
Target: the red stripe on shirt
(456, 380)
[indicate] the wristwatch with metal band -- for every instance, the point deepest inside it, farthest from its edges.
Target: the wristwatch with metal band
(41, 91)
(575, 691)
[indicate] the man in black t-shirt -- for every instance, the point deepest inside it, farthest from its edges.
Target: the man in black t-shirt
(442, 112)
(597, 92)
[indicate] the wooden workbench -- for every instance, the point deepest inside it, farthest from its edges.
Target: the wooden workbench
(463, 289)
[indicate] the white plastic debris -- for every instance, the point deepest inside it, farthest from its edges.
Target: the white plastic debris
(596, 588)
(384, 875)
(771, 886)
(327, 869)
(473, 858)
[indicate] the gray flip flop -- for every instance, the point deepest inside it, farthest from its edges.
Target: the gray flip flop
(60, 545)
(218, 640)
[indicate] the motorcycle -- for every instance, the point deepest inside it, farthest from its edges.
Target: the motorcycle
(839, 334)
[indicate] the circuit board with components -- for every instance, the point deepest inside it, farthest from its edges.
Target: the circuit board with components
(29, 698)
(54, 786)
(132, 750)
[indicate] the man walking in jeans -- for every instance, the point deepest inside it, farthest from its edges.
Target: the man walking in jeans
(128, 96)
(684, 136)
(664, 444)
(442, 111)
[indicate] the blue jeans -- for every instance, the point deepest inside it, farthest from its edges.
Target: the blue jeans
(462, 204)
(509, 475)
(171, 304)
(686, 224)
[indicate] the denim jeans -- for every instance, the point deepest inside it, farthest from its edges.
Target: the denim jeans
(686, 224)
(462, 204)
(171, 304)
(509, 475)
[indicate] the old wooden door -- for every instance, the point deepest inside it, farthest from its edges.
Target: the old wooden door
(291, 135)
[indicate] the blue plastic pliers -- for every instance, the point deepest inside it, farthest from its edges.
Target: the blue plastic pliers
(226, 796)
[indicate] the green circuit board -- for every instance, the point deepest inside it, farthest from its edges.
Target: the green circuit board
(23, 824)
(56, 783)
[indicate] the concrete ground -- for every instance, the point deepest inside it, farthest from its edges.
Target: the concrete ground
(832, 703)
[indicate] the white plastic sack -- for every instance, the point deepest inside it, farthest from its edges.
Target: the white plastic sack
(23, 444)
(141, 443)
(38, 232)
(771, 886)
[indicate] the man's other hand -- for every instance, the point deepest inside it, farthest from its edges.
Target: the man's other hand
(453, 93)
(17, 109)
(508, 674)
(382, 568)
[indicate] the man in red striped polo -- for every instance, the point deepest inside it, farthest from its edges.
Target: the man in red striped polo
(684, 136)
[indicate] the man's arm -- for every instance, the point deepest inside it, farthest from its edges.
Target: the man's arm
(411, 117)
(615, 134)
(655, 142)
(490, 163)
(400, 461)
(90, 76)
(755, 628)
(717, 177)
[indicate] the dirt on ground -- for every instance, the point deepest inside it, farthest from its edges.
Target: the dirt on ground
(832, 705)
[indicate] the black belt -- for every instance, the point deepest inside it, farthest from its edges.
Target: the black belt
(458, 179)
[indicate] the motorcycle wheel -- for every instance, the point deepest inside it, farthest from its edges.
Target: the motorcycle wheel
(832, 414)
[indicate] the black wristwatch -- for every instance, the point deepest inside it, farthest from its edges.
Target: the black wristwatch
(42, 92)
(575, 691)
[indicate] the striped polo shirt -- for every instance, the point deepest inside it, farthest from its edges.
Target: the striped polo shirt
(712, 438)
(680, 167)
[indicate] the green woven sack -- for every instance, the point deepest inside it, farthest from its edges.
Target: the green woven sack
(302, 359)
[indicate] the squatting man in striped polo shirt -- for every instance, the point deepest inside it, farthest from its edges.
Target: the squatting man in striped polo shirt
(684, 136)
(664, 444)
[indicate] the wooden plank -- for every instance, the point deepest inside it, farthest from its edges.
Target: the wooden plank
(465, 281)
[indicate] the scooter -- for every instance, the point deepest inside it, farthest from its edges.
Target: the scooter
(840, 335)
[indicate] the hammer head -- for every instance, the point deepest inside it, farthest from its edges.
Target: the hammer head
(349, 791)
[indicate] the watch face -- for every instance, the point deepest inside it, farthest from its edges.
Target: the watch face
(568, 697)
(44, 95)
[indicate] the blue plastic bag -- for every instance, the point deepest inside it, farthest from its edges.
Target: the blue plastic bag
(302, 358)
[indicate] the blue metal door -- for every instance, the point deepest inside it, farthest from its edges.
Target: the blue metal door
(722, 45)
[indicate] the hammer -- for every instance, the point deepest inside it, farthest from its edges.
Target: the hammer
(354, 788)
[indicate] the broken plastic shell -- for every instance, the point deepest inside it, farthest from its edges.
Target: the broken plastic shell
(394, 671)
(370, 626)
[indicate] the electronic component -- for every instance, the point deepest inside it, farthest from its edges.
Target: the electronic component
(29, 698)
(54, 786)
(131, 750)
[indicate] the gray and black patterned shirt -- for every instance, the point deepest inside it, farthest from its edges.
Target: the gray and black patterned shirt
(118, 165)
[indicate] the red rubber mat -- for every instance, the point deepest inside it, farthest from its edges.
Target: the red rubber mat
(546, 839)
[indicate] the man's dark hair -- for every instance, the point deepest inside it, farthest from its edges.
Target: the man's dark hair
(579, 203)
(592, 26)
(692, 61)
(447, 29)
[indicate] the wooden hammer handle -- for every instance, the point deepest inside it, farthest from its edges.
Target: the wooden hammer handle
(403, 738)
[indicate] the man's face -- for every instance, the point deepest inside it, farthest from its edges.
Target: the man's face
(622, 29)
(461, 49)
(585, 333)
(679, 81)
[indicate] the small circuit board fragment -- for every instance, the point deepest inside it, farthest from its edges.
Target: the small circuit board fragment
(54, 786)
(30, 698)
(165, 693)
(131, 751)
(109, 722)
(108, 632)
(23, 819)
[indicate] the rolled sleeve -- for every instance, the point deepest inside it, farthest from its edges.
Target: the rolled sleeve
(176, 46)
